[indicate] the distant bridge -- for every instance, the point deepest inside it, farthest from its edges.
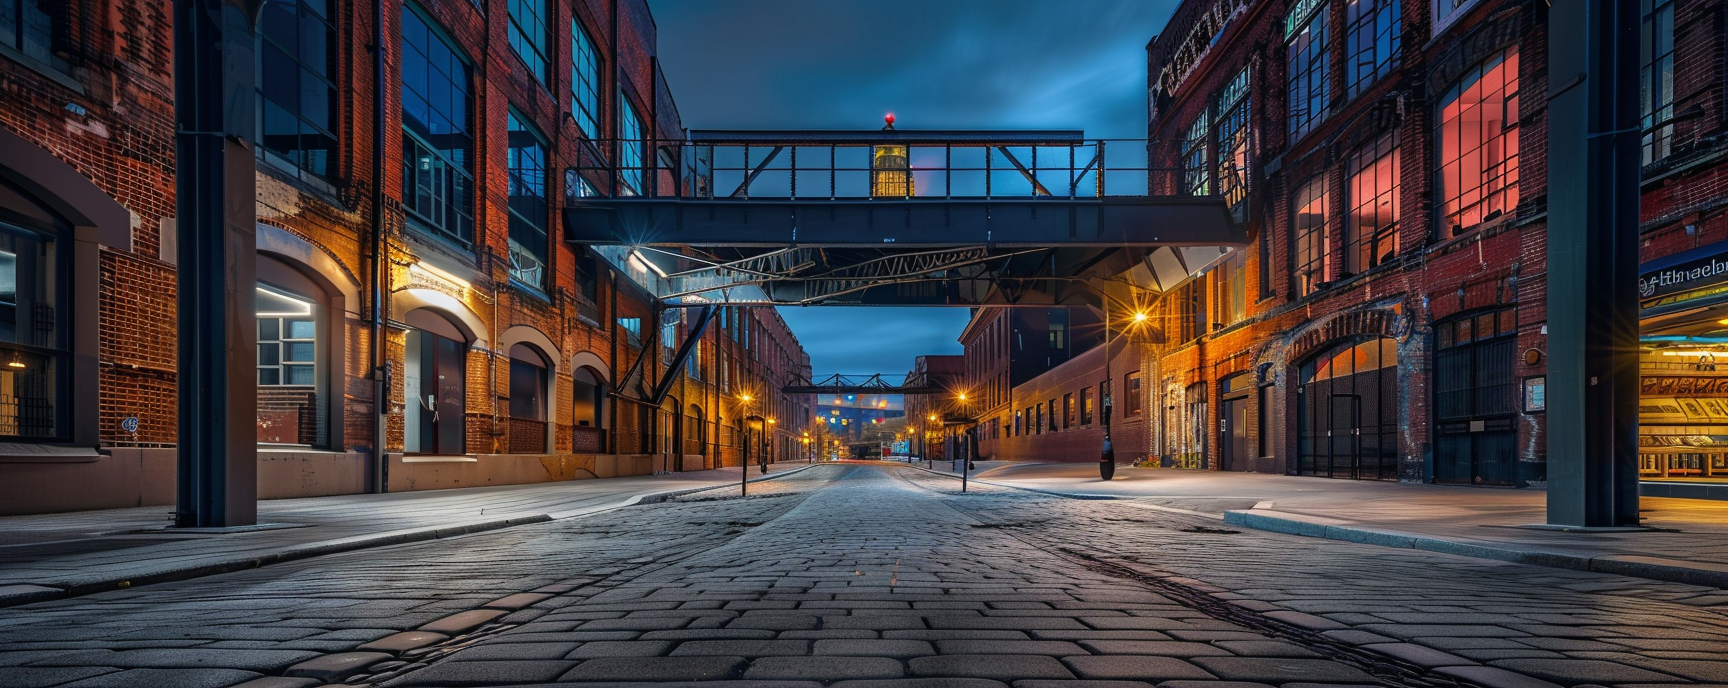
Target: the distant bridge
(864, 384)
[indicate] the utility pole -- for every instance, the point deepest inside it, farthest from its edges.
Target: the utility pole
(215, 97)
(1592, 308)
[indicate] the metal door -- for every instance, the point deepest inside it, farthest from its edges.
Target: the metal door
(1344, 435)
(1233, 426)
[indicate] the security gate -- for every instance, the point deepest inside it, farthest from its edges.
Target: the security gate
(1347, 412)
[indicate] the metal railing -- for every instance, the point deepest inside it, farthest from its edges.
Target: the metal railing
(1092, 168)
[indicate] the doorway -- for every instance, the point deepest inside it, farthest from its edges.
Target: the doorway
(1233, 422)
(435, 388)
(1347, 412)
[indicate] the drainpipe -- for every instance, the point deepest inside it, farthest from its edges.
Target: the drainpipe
(380, 266)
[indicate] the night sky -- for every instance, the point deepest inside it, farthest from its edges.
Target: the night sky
(936, 64)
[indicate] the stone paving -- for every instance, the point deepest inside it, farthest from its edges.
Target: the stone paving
(879, 577)
(1684, 530)
(87, 549)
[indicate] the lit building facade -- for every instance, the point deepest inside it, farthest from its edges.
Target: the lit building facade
(1387, 321)
(421, 322)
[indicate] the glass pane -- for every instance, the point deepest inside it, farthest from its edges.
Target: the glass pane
(298, 351)
(300, 374)
(301, 329)
(269, 354)
(269, 376)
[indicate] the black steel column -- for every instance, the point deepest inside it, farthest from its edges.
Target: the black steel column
(214, 102)
(1593, 149)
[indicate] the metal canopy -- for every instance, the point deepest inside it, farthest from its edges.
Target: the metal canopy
(902, 218)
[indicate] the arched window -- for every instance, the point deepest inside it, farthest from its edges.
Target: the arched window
(293, 357)
(435, 386)
(529, 382)
(1347, 411)
(587, 401)
(695, 435)
(35, 347)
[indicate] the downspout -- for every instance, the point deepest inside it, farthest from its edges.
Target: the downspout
(380, 266)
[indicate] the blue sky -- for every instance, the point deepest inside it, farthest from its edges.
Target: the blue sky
(936, 64)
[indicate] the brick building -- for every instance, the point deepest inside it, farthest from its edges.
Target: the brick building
(1387, 321)
(924, 412)
(1391, 178)
(503, 347)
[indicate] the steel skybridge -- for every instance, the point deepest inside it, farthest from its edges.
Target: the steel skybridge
(891, 217)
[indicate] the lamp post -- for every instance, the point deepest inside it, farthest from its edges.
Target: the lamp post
(768, 441)
(1107, 455)
(929, 461)
(744, 458)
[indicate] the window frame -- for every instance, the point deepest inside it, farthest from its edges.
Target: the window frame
(528, 228)
(1196, 173)
(292, 162)
(585, 110)
(1356, 21)
(1656, 99)
(451, 201)
(1311, 246)
(1307, 73)
(1362, 251)
(1496, 181)
(538, 11)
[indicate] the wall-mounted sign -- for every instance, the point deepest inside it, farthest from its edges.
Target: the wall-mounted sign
(1684, 276)
(1535, 394)
(129, 425)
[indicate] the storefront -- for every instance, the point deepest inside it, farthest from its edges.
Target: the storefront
(1683, 368)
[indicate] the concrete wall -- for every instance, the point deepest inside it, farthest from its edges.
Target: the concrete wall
(412, 473)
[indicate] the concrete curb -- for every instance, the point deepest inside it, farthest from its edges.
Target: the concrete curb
(1053, 493)
(1634, 566)
(19, 594)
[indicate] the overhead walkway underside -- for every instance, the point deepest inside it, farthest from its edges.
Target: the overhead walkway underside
(949, 234)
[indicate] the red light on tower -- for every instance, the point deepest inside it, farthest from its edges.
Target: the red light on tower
(889, 118)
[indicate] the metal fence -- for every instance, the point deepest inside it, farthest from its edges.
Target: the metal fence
(1092, 168)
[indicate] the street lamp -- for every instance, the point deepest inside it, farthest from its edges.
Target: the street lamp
(1107, 455)
(744, 457)
(768, 440)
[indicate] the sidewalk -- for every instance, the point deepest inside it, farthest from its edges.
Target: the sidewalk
(60, 555)
(1683, 540)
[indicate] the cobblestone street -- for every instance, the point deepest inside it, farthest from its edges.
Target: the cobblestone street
(877, 575)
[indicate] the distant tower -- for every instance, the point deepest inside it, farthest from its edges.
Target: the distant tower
(890, 169)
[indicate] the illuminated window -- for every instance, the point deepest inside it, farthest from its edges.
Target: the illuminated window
(287, 339)
(1656, 98)
(1131, 387)
(585, 80)
(1309, 214)
(528, 32)
(1371, 196)
(1306, 36)
(1230, 293)
(528, 206)
(296, 82)
(1233, 133)
(1372, 31)
(35, 350)
(437, 184)
(1196, 177)
(1086, 406)
(631, 149)
(1478, 145)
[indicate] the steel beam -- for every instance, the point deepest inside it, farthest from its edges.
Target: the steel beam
(214, 96)
(904, 223)
(1592, 309)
